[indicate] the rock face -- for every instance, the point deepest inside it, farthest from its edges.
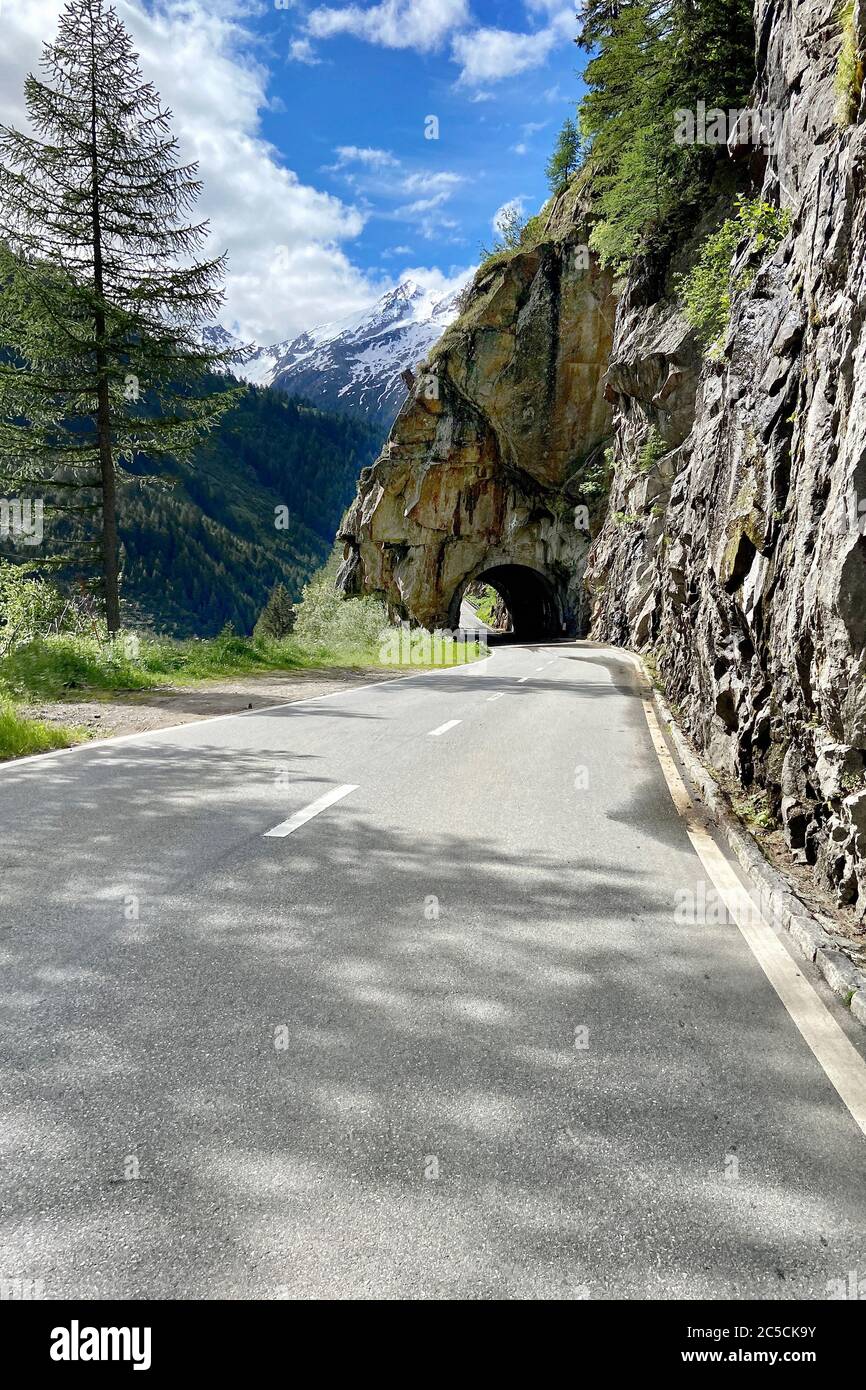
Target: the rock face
(734, 545)
(739, 556)
(478, 476)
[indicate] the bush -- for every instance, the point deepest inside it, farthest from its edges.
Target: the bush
(653, 449)
(325, 620)
(707, 291)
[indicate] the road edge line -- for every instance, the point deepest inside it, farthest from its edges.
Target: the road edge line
(8, 764)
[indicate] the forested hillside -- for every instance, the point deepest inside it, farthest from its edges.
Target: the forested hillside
(204, 544)
(209, 549)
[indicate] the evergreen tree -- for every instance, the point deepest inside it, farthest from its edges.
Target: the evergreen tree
(567, 156)
(651, 59)
(596, 20)
(102, 299)
(277, 618)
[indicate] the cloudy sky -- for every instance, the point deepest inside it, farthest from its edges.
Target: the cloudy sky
(312, 124)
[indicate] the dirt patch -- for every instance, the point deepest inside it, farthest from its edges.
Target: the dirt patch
(138, 711)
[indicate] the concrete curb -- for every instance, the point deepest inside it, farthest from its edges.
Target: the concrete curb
(841, 974)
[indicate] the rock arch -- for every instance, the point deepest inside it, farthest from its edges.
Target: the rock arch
(480, 467)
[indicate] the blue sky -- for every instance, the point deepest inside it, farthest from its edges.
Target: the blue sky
(351, 115)
(308, 123)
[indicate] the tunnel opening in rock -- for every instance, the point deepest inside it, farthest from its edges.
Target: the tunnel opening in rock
(529, 608)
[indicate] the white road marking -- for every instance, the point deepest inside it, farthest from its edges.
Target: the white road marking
(314, 809)
(12, 764)
(842, 1063)
(443, 728)
(521, 679)
(498, 696)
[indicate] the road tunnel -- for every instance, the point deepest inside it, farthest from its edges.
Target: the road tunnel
(533, 607)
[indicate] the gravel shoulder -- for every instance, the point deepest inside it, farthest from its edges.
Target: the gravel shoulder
(139, 711)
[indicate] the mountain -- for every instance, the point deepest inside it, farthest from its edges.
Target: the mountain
(208, 550)
(200, 544)
(355, 364)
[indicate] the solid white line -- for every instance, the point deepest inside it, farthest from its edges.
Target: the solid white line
(443, 728)
(842, 1063)
(314, 809)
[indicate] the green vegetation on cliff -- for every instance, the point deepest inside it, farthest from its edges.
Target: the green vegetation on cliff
(707, 291)
(652, 59)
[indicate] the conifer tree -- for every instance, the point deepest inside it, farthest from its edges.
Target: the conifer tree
(277, 618)
(567, 156)
(101, 297)
(650, 59)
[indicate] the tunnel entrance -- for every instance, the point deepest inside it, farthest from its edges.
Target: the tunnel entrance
(529, 598)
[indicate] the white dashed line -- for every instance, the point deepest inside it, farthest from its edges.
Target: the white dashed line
(315, 807)
(521, 679)
(443, 728)
(498, 696)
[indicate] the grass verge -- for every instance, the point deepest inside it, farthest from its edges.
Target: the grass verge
(20, 736)
(66, 666)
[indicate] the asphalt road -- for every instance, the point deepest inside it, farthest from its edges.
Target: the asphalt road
(445, 1039)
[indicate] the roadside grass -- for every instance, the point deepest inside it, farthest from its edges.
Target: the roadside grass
(64, 666)
(20, 736)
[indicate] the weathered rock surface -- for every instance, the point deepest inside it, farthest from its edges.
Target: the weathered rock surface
(741, 558)
(479, 471)
(734, 546)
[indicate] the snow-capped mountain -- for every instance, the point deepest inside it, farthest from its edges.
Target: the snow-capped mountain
(356, 363)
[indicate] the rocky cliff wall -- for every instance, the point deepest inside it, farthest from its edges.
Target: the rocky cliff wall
(738, 558)
(734, 546)
(483, 465)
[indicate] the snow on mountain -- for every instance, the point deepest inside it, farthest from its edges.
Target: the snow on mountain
(355, 363)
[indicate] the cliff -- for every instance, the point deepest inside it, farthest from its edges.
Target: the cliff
(732, 551)
(484, 466)
(739, 558)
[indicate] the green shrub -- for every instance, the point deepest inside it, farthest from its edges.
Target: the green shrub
(326, 620)
(707, 291)
(29, 606)
(653, 449)
(515, 234)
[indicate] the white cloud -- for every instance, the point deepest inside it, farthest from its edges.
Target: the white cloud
(441, 180)
(287, 264)
(302, 51)
(418, 24)
(520, 148)
(368, 157)
(488, 54)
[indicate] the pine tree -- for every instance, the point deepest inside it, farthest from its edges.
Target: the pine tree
(102, 299)
(277, 618)
(651, 59)
(567, 156)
